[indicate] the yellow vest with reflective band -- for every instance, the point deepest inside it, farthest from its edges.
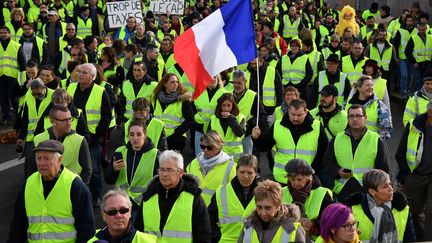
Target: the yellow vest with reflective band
(352, 72)
(366, 226)
(110, 73)
(313, 202)
(269, 91)
(323, 33)
(172, 116)
(14, 35)
(306, 148)
(145, 91)
(161, 67)
(415, 147)
(142, 175)
(139, 237)
(372, 122)
(422, 52)
(293, 72)
(314, 58)
(405, 35)
(178, 227)
(122, 33)
(6, 15)
(326, 53)
(380, 87)
(84, 27)
(281, 236)
(363, 159)
(206, 106)
(40, 42)
(93, 105)
(231, 213)
(9, 59)
(384, 58)
(323, 81)
(393, 27)
(64, 61)
(33, 114)
(364, 31)
(22, 77)
(278, 113)
(170, 61)
(161, 35)
(72, 145)
(221, 174)
(70, 8)
(416, 105)
(246, 102)
(232, 144)
(153, 131)
(290, 30)
(335, 125)
(50, 219)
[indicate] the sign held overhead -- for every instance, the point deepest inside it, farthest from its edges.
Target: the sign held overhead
(119, 12)
(175, 7)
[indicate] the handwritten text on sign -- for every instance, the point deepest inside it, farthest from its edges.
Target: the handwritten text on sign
(175, 7)
(119, 12)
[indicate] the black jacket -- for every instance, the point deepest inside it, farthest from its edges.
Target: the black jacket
(82, 212)
(266, 141)
(201, 229)
(332, 79)
(104, 235)
(35, 50)
(399, 202)
(244, 199)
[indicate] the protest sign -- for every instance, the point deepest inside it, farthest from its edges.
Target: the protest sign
(175, 7)
(119, 12)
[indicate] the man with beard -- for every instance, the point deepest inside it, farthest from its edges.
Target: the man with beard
(347, 42)
(155, 65)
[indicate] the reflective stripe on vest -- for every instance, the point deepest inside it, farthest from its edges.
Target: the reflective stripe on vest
(206, 106)
(335, 125)
(306, 148)
(363, 159)
(232, 143)
(281, 236)
(145, 91)
(352, 72)
(371, 107)
(154, 130)
(33, 114)
(415, 148)
(140, 177)
(269, 93)
(293, 72)
(50, 218)
(72, 145)
(404, 38)
(384, 58)
(64, 60)
(84, 27)
(416, 105)
(231, 213)
(323, 81)
(178, 227)
(380, 87)
(93, 105)
(314, 57)
(213, 179)
(313, 202)
(290, 29)
(9, 59)
(172, 116)
(422, 52)
(246, 102)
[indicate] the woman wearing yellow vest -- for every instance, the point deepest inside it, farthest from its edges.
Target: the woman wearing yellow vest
(230, 125)
(171, 103)
(113, 72)
(377, 113)
(213, 166)
(234, 202)
(290, 93)
(15, 23)
(133, 165)
(304, 188)
(116, 212)
(383, 214)
(155, 127)
(338, 225)
(272, 221)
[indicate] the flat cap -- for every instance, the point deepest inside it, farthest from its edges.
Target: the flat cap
(50, 145)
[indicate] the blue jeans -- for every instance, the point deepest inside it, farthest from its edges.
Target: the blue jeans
(198, 136)
(247, 145)
(96, 178)
(406, 71)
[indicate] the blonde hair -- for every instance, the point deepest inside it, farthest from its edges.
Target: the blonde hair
(268, 189)
(213, 139)
(20, 10)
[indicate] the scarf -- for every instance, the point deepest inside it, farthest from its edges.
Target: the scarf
(426, 93)
(284, 108)
(165, 98)
(302, 194)
(207, 164)
(384, 230)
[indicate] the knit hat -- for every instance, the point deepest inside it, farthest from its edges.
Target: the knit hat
(427, 76)
(296, 167)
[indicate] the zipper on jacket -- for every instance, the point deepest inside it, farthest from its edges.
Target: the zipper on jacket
(133, 167)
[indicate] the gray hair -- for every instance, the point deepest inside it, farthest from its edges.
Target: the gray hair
(373, 178)
(361, 80)
(68, 25)
(171, 154)
(92, 69)
(112, 193)
(239, 74)
(37, 84)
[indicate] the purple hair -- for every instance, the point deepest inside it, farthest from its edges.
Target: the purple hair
(333, 216)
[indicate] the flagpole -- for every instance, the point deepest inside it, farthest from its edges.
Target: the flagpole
(258, 91)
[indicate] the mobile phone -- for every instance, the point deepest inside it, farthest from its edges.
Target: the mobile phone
(347, 170)
(117, 156)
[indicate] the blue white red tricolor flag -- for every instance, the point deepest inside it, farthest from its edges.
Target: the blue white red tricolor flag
(224, 39)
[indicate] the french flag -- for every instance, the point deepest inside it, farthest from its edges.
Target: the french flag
(224, 39)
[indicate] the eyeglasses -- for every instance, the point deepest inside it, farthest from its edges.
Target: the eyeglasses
(203, 147)
(65, 120)
(115, 211)
(351, 226)
(167, 170)
(356, 116)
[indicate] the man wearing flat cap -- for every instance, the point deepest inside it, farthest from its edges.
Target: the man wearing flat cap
(332, 75)
(55, 204)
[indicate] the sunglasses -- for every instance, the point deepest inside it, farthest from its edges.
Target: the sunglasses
(115, 211)
(203, 147)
